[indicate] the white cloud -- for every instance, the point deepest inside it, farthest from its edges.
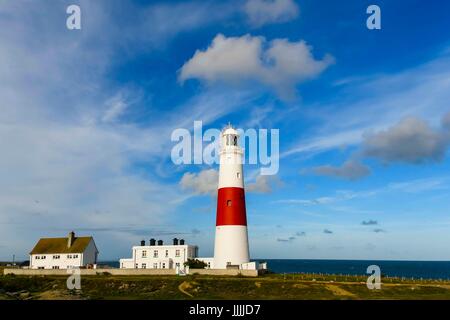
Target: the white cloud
(116, 107)
(67, 157)
(376, 103)
(263, 184)
(350, 170)
(261, 12)
(411, 140)
(411, 186)
(204, 182)
(278, 64)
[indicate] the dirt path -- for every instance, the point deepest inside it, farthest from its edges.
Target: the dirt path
(185, 286)
(338, 291)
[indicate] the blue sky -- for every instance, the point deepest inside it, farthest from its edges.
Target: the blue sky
(87, 115)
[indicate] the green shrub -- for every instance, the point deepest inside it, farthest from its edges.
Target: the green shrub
(195, 264)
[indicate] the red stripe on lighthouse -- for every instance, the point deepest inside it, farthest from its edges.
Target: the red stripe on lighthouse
(231, 207)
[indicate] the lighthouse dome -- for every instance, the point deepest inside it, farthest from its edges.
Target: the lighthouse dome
(229, 130)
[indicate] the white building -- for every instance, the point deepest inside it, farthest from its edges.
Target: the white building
(156, 255)
(64, 253)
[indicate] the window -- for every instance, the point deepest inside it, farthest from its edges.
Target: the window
(177, 253)
(155, 254)
(40, 267)
(69, 256)
(238, 175)
(163, 265)
(56, 257)
(167, 253)
(144, 254)
(75, 256)
(55, 267)
(136, 266)
(144, 266)
(43, 257)
(177, 264)
(38, 258)
(228, 203)
(155, 266)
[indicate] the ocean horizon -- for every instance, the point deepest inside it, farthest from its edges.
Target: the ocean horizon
(390, 268)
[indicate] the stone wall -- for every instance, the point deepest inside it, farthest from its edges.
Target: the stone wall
(128, 272)
(90, 272)
(225, 272)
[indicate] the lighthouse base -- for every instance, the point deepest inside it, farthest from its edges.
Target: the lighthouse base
(231, 246)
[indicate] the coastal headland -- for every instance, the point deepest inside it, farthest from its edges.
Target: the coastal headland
(196, 286)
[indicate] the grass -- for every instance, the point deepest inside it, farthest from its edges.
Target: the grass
(274, 286)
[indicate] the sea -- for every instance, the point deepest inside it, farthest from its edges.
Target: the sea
(390, 268)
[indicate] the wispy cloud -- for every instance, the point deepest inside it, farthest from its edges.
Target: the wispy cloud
(375, 103)
(261, 12)
(412, 186)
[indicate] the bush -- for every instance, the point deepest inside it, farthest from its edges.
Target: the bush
(195, 264)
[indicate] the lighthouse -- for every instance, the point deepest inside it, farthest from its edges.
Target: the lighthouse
(231, 241)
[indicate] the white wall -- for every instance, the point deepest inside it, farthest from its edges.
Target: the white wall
(208, 261)
(162, 261)
(63, 262)
(90, 254)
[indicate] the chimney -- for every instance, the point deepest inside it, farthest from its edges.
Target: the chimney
(182, 242)
(70, 239)
(142, 243)
(152, 242)
(160, 242)
(175, 241)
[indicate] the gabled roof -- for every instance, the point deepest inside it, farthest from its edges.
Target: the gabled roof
(59, 245)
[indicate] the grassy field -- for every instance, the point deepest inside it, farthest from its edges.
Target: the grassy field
(209, 287)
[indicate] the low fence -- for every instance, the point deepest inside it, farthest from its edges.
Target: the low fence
(128, 272)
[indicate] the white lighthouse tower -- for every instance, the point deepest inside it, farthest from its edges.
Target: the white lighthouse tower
(231, 242)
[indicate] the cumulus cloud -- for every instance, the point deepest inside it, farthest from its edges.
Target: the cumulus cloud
(204, 182)
(412, 140)
(350, 170)
(263, 184)
(261, 12)
(278, 64)
(369, 223)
